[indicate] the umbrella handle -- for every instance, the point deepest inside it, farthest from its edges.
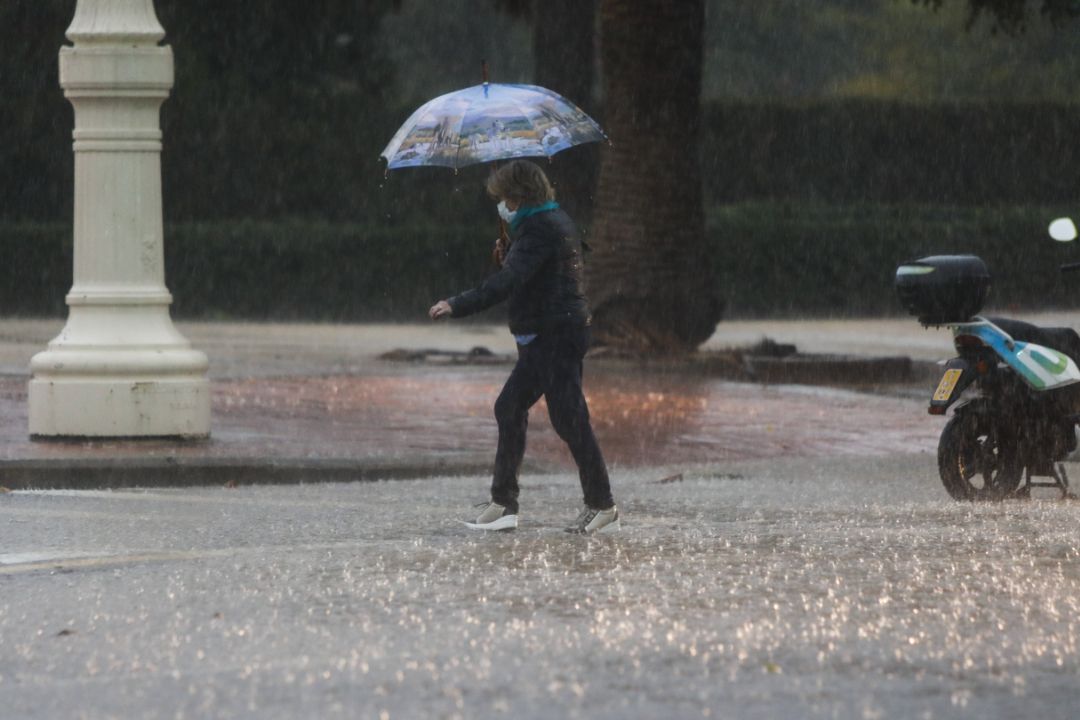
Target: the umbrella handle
(502, 245)
(502, 241)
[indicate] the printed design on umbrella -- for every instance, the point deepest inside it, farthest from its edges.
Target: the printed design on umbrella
(490, 122)
(432, 139)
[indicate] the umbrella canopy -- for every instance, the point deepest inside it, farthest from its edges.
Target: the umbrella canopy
(490, 122)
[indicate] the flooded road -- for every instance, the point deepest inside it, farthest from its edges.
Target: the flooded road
(846, 586)
(787, 552)
(641, 420)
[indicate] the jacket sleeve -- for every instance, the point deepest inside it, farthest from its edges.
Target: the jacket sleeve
(526, 256)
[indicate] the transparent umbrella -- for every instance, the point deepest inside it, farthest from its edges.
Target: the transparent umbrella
(490, 122)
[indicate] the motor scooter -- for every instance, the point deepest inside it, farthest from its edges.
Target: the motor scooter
(1014, 387)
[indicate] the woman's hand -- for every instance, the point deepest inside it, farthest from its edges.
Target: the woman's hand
(440, 310)
(498, 254)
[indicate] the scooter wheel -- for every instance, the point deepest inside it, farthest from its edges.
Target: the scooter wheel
(978, 460)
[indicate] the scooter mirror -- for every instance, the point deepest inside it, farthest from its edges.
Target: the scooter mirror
(1063, 230)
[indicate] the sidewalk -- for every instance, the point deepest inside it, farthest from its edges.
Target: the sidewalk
(307, 402)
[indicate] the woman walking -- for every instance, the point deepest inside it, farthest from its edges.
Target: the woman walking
(542, 279)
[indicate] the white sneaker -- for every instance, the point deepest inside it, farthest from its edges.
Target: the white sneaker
(494, 517)
(590, 521)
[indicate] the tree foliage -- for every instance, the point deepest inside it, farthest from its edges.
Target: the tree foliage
(882, 49)
(267, 104)
(271, 113)
(35, 120)
(1011, 16)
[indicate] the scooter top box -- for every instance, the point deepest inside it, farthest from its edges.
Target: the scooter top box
(943, 289)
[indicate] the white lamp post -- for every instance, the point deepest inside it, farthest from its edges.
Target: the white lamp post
(119, 368)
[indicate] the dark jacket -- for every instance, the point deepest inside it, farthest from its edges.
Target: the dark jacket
(543, 277)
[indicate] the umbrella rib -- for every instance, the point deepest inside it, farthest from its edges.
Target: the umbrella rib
(460, 139)
(554, 97)
(404, 131)
(524, 110)
(588, 119)
(435, 121)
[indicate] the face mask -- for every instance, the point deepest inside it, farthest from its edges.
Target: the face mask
(505, 212)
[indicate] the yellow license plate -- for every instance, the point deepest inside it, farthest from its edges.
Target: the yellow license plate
(947, 385)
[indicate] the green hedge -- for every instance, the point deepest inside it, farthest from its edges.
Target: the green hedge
(772, 259)
(862, 151)
(302, 270)
(801, 259)
(37, 269)
(290, 270)
(837, 152)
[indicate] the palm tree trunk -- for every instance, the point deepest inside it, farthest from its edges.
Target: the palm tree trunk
(652, 281)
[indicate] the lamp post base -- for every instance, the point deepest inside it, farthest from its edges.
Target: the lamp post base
(119, 372)
(129, 407)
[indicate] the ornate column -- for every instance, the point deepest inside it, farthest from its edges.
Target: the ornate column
(119, 368)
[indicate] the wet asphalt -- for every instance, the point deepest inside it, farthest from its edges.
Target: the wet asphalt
(787, 551)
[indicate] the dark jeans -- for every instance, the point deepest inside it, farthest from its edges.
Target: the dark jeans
(549, 366)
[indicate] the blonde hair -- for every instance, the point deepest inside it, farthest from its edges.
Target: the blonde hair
(522, 182)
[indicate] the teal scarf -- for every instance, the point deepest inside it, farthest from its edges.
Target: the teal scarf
(525, 212)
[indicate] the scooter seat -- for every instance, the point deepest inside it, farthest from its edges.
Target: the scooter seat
(1059, 338)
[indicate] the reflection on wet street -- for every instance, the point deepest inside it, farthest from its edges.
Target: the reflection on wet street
(640, 420)
(843, 587)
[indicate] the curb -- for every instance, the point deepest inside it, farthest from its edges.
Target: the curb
(797, 368)
(838, 370)
(93, 474)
